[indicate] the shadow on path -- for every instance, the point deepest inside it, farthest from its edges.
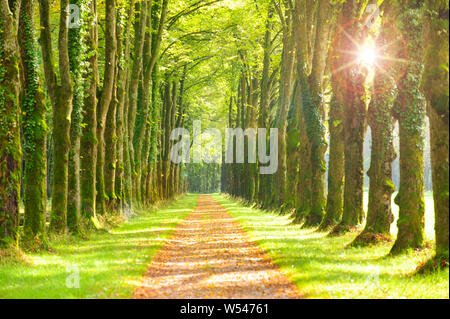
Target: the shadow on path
(210, 256)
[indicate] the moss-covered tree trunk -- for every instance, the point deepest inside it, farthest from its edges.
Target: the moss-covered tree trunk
(335, 197)
(34, 131)
(135, 78)
(303, 205)
(61, 96)
(286, 88)
(154, 135)
(109, 168)
(121, 189)
(313, 104)
(10, 148)
(167, 116)
(75, 56)
(263, 116)
(435, 85)
(105, 101)
(88, 149)
(111, 132)
(352, 75)
(381, 122)
(252, 168)
(292, 148)
(410, 111)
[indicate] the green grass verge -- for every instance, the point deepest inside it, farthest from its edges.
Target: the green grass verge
(323, 267)
(109, 264)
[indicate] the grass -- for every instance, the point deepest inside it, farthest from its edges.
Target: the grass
(109, 264)
(324, 267)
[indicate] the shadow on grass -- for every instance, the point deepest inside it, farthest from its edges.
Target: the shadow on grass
(326, 267)
(107, 265)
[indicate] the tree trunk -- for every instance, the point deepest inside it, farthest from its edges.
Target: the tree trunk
(105, 100)
(61, 97)
(135, 77)
(121, 174)
(354, 111)
(88, 149)
(435, 86)
(314, 115)
(10, 147)
(335, 197)
(34, 131)
(76, 49)
(286, 87)
(264, 100)
(410, 111)
(381, 121)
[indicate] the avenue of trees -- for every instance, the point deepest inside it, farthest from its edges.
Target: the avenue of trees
(88, 103)
(85, 110)
(316, 76)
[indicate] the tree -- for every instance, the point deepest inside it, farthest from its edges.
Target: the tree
(435, 86)
(88, 151)
(61, 95)
(121, 123)
(313, 101)
(76, 50)
(409, 109)
(109, 79)
(286, 88)
(135, 77)
(10, 148)
(381, 121)
(34, 130)
(348, 37)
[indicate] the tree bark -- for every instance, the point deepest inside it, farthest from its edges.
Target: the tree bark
(381, 121)
(34, 130)
(410, 112)
(88, 151)
(354, 112)
(10, 147)
(61, 96)
(435, 86)
(74, 197)
(105, 100)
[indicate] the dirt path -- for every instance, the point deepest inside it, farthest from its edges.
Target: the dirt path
(210, 256)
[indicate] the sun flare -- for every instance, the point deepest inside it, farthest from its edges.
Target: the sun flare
(367, 55)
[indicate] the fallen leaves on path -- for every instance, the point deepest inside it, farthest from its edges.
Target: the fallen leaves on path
(210, 256)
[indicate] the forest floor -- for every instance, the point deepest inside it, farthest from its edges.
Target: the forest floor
(108, 264)
(326, 267)
(210, 256)
(216, 247)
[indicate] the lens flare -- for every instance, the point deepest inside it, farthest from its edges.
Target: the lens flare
(367, 55)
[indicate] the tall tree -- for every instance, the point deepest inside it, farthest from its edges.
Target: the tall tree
(286, 88)
(105, 100)
(349, 36)
(76, 51)
(435, 85)
(409, 109)
(135, 78)
(10, 148)
(61, 95)
(381, 121)
(88, 151)
(122, 89)
(313, 103)
(34, 130)
(263, 114)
